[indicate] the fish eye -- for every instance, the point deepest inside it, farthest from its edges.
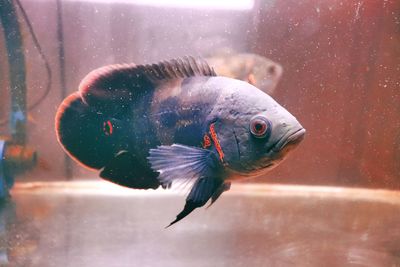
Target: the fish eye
(260, 127)
(271, 70)
(108, 128)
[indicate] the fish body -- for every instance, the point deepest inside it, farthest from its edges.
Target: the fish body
(257, 70)
(146, 126)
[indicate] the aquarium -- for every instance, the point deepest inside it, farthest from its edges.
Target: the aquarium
(122, 121)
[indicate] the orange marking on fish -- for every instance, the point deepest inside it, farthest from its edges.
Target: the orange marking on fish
(251, 79)
(206, 141)
(108, 128)
(214, 137)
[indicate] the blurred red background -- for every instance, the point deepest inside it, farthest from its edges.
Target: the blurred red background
(341, 77)
(342, 81)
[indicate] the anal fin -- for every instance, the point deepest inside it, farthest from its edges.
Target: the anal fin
(125, 170)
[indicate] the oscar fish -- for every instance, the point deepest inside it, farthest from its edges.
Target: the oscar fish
(257, 70)
(146, 126)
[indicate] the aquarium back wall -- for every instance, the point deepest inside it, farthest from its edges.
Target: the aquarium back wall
(340, 74)
(341, 79)
(96, 34)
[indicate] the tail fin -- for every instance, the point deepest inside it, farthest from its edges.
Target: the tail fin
(80, 131)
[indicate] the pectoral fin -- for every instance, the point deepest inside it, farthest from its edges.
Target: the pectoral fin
(179, 162)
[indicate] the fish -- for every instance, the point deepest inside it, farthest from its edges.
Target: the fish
(174, 122)
(257, 70)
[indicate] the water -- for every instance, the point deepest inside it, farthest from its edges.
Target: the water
(333, 64)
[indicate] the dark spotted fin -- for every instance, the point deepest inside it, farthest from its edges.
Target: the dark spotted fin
(201, 192)
(179, 162)
(223, 188)
(105, 87)
(125, 170)
(79, 130)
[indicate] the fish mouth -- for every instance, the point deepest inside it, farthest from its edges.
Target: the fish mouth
(289, 140)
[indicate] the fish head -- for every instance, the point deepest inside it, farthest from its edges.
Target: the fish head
(87, 135)
(256, 133)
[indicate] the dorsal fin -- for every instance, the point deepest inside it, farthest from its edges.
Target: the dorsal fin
(119, 84)
(177, 68)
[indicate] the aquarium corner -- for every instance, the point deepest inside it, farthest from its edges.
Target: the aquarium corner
(14, 159)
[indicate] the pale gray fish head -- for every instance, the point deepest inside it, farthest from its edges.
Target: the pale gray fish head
(255, 132)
